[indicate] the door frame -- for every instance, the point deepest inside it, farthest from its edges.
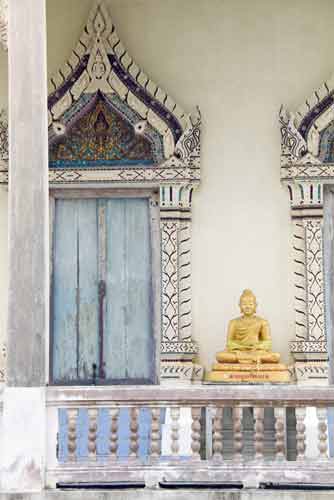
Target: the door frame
(153, 197)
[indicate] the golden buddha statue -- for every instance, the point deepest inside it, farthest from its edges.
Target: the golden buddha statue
(248, 356)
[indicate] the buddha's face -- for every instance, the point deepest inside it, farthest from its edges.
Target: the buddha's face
(247, 306)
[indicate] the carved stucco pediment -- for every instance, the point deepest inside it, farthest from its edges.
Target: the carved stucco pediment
(100, 66)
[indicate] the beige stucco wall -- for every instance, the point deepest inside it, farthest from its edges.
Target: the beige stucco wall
(238, 60)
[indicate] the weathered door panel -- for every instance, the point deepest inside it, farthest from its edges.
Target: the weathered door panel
(65, 274)
(128, 341)
(88, 344)
(75, 332)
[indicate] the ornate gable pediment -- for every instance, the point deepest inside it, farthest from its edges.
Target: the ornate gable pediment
(146, 133)
(143, 126)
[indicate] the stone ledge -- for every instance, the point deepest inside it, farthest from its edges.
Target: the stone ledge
(187, 395)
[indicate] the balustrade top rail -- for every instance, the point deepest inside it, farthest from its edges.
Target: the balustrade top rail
(196, 395)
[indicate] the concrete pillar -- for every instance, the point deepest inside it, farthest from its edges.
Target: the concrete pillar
(28, 194)
(28, 300)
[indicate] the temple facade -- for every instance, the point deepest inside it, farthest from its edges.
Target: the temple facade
(156, 161)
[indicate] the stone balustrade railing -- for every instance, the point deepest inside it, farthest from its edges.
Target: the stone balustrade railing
(194, 434)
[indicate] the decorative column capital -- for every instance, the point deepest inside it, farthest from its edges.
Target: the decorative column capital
(3, 23)
(306, 198)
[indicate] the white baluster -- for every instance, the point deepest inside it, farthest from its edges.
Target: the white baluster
(113, 436)
(92, 432)
(196, 433)
(72, 416)
(258, 432)
(217, 435)
(175, 427)
(134, 435)
(300, 433)
(237, 433)
(280, 433)
(322, 433)
(155, 448)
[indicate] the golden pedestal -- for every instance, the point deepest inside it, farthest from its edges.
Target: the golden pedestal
(249, 372)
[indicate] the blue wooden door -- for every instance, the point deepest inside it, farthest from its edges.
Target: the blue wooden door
(101, 292)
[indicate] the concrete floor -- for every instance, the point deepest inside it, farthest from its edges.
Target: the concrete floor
(180, 494)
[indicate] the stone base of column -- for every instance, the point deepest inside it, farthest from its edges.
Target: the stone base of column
(311, 368)
(311, 362)
(311, 372)
(178, 363)
(23, 442)
(183, 371)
